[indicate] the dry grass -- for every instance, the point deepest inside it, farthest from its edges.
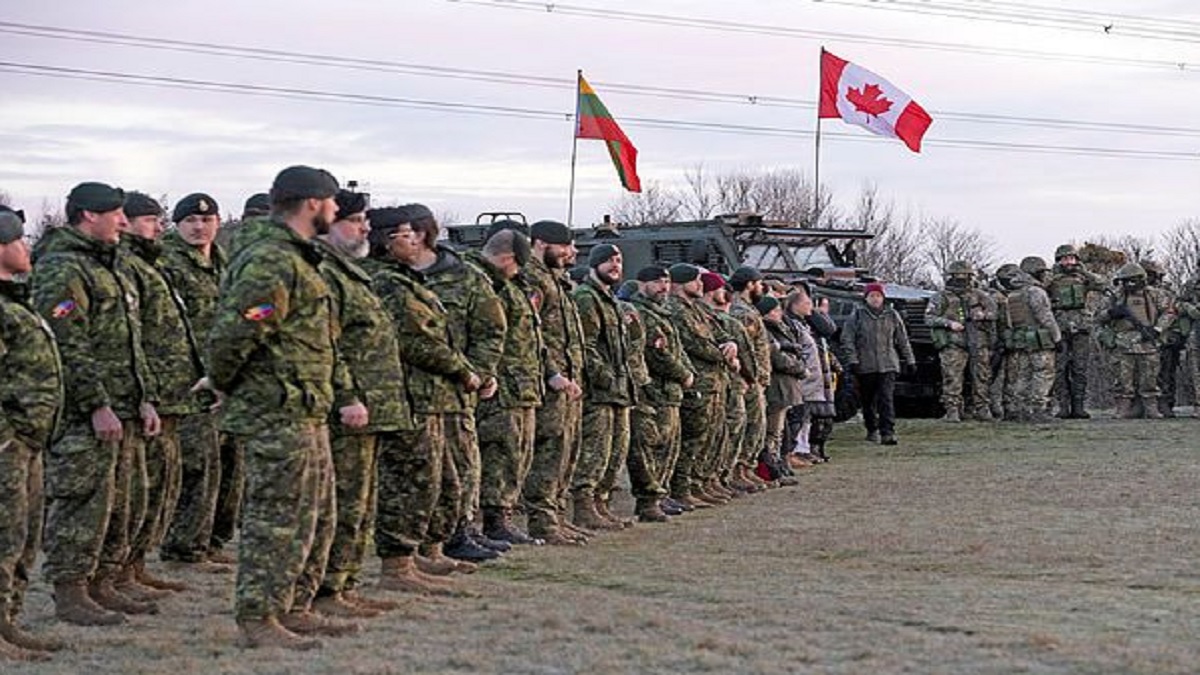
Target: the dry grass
(976, 548)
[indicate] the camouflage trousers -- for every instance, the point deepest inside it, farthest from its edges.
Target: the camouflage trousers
(355, 464)
(620, 453)
(280, 517)
(957, 366)
(998, 396)
(21, 502)
(1071, 369)
(191, 528)
(80, 480)
(163, 484)
(1169, 358)
(462, 442)
(413, 466)
(555, 432)
(735, 430)
(1136, 376)
(1028, 376)
(710, 450)
(506, 453)
(597, 445)
(129, 500)
(230, 488)
(309, 581)
(755, 433)
(650, 429)
(698, 416)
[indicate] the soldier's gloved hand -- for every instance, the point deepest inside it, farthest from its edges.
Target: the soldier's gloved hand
(489, 388)
(151, 424)
(106, 425)
(355, 415)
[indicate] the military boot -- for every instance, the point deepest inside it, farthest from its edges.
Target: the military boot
(463, 547)
(602, 509)
(433, 560)
(11, 652)
(127, 584)
(587, 516)
(13, 634)
(1078, 409)
(1150, 406)
(268, 632)
(648, 511)
(401, 574)
(354, 597)
(951, 414)
(498, 524)
(102, 590)
(576, 530)
(1125, 409)
(72, 604)
(474, 531)
(690, 502)
(147, 579)
(335, 604)
(308, 622)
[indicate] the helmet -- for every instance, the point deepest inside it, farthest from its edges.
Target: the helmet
(1033, 265)
(1130, 272)
(1152, 268)
(1064, 251)
(960, 268)
(1007, 274)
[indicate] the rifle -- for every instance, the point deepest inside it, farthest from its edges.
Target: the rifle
(1123, 312)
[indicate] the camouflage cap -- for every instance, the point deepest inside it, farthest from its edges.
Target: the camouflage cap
(95, 197)
(303, 182)
(551, 232)
(258, 204)
(11, 227)
(195, 204)
(138, 204)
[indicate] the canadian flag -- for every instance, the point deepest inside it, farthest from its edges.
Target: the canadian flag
(861, 97)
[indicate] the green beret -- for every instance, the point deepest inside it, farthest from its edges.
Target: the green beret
(95, 197)
(195, 204)
(257, 205)
(11, 227)
(602, 253)
(682, 273)
(652, 273)
(138, 204)
(766, 303)
(303, 182)
(551, 232)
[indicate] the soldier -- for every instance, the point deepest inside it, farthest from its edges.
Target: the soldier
(506, 421)
(720, 469)
(608, 384)
(1035, 266)
(1030, 337)
(476, 320)
(1173, 341)
(271, 351)
(1068, 288)
(31, 400)
(557, 425)
(368, 347)
(955, 315)
(418, 484)
(623, 424)
(877, 349)
(746, 283)
(193, 264)
(83, 287)
(1188, 325)
(172, 350)
(1000, 296)
(1134, 321)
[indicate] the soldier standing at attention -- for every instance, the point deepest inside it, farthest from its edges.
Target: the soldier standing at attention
(955, 314)
(1068, 288)
(31, 399)
(1172, 344)
(746, 283)
(1030, 337)
(1135, 319)
(271, 352)
(1188, 324)
(83, 288)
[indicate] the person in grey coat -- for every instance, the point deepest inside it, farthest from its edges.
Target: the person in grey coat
(876, 347)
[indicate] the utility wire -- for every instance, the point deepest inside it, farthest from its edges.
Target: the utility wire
(516, 79)
(508, 111)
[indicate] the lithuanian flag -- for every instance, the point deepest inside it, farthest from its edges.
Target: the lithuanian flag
(594, 121)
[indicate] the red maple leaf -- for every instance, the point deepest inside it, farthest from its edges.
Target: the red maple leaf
(870, 100)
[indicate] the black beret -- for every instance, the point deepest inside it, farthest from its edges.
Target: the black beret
(95, 197)
(743, 276)
(766, 303)
(385, 219)
(602, 253)
(652, 273)
(195, 204)
(505, 224)
(303, 182)
(258, 204)
(4, 208)
(12, 227)
(350, 203)
(139, 204)
(551, 232)
(410, 213)
(682, 273)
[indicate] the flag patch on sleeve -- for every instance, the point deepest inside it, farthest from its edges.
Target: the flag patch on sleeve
(259, 312)
(63, 309)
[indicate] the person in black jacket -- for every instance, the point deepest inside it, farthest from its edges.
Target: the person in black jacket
(876, 347)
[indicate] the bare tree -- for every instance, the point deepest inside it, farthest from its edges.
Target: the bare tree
(654, 204)
(894, 253)
(5, 198)
(699, 200)
(1181, 251)
(947, 240)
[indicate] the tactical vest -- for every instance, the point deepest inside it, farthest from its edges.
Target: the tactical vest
(1142, 309)
(1067, 292)
(1024, 332)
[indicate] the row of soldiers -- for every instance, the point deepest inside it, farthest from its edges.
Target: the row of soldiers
(367, 382)
(1021, 349)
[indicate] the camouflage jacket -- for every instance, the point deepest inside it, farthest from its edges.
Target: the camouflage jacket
(31, 390)
(759, 355)
(84, 288)
(1029, 321)
(737, 330)
(474, 313)
(368, 347)
(562, 333)
(1068, 291)
(667, 364)
(972, 307)
(167, 339)
(605, 346)
(1151, 311)
(272, 347)
(520, 372)
(701, 337)
(197, 281)
(635, 332)
(434, 367)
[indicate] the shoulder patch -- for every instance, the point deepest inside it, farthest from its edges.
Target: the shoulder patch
(535, 299)
(63, 309)
(259, 312)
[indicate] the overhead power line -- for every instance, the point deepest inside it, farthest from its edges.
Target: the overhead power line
(518, 79)
(509, 111)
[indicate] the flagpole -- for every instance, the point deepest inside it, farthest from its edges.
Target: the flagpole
(817, 153)
(574, 149)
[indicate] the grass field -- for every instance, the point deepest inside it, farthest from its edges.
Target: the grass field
(1072, 547)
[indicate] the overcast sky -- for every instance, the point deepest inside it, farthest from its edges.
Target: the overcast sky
(57, 132)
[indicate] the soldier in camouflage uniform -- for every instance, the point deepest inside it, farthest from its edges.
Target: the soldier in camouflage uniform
(83, 287)
(623, 424)
(720, 469)
(418, 484)
(506, 421)
(31, 399)
(368, 346)
(475, 317)
(193, 264)
(174, 356)
(608, 384)
(1172, 344)
(1187, 323)
(1030, 336)
(1035, 266)
(956, 315)
(1068, 287)
(556, 429)
(271, 351)
(746, 283)
(1132, 325)
(996, 388)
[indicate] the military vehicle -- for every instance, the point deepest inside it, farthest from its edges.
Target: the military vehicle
(825, 258)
